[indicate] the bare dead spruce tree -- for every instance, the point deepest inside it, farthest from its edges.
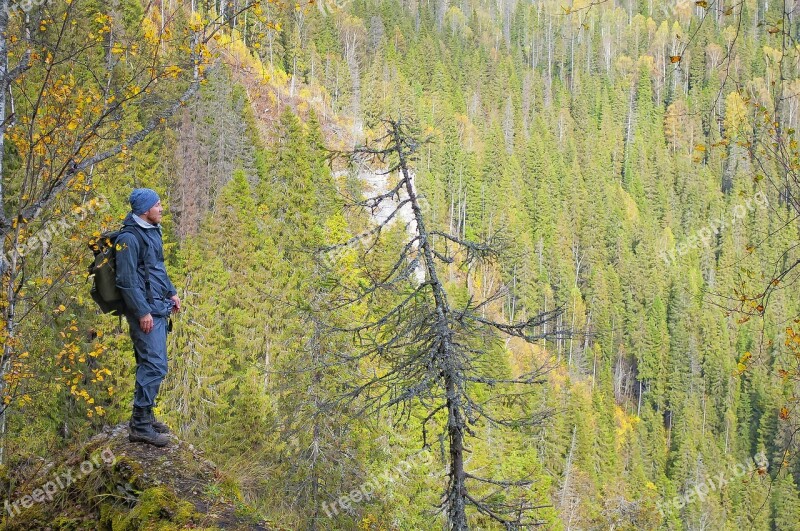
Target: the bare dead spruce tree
(432, 357)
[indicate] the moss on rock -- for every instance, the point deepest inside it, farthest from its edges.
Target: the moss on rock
(134, 486)
(158, 508)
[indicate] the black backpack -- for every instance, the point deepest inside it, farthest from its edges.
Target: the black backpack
(103, 270)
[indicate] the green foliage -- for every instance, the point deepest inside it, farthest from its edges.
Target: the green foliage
(581, 151)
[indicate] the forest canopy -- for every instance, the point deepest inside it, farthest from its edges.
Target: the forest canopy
(465, 264)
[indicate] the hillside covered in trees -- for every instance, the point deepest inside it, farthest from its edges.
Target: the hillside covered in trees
(525, 263)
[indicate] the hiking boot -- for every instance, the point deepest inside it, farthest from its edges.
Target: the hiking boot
(158, 426)
(141, 429)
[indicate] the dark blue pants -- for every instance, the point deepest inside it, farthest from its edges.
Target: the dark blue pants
(151, 359)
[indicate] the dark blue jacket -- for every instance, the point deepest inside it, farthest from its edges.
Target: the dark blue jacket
(130, 280)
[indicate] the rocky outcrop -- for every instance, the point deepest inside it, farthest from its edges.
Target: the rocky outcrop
(110, 483)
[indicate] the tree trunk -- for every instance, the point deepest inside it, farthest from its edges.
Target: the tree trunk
(448, 363)
(456, 490)
(8, 313)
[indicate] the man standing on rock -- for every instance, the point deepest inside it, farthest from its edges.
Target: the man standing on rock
(150, 298)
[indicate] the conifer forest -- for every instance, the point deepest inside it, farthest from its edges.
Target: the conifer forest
(442, 264)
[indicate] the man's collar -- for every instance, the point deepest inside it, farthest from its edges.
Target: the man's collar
(144, 224)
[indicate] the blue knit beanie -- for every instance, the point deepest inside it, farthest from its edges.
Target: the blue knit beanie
(142, 200)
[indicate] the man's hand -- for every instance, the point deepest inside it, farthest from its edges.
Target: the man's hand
(146, 323)
(177, 301)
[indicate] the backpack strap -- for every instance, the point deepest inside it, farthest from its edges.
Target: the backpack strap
(142, 249)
